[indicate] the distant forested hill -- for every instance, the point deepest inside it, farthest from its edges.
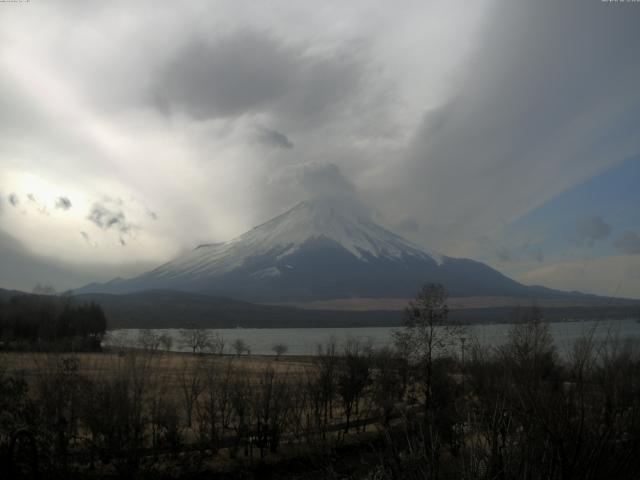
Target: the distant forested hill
(172, 309)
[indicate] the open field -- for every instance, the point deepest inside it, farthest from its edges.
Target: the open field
(168, 364)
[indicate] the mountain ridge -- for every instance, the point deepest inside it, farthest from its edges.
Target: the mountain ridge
(320, 249)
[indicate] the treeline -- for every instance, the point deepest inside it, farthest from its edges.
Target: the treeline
(436, 406)
(50, 322)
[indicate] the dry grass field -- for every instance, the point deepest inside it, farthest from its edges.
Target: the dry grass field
(167, 365)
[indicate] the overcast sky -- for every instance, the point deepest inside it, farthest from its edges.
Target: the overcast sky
(505, 131)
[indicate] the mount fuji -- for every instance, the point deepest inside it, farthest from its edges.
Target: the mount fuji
(319, 250)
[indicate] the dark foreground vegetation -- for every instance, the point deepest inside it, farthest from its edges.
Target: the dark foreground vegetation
(48, 322)
(435, 406)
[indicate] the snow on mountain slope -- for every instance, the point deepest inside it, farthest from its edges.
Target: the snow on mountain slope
(318, 250)
(287, 233)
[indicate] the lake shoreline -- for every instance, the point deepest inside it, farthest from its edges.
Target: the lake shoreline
(305, 341)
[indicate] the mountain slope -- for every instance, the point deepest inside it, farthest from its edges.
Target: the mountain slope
(319, 250)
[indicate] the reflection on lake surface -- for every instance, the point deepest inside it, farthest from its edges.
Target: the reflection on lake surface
(304, 341)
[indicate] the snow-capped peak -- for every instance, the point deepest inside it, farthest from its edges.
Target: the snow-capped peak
(346, 225)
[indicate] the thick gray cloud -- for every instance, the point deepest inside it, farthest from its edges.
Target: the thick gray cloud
(14, 200)
(320, 181)
(408, 224)
(545, 102)
(273, 138)
(592, 229)
(248, 72)
(239, 73)
(324, 181)
(63, 203)
(628, 243)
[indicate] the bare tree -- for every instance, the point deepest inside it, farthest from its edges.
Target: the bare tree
(325, 382)
(166, 341)
(217, 344)
(148, 340)
(215, 408)
(270, 406)
(530, 351)
(190, 381)
(279, 349)
(427, 335)
(116, 411)
(241, 392)
(240, 347)
(196, 339)
(388, 386)
(166, 423)
(353, 377)
(427, 332)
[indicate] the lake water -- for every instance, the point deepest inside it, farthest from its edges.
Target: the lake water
(304, 341)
